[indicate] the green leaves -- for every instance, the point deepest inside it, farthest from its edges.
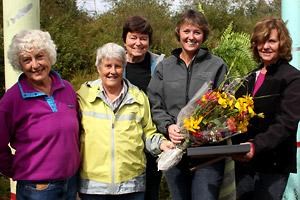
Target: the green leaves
(234, 48)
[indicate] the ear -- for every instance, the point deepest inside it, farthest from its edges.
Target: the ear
(98, 69)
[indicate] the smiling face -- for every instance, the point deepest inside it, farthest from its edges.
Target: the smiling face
(137, 45)
(190, 37)
(36, 65)
(111, 73)
(269, 50)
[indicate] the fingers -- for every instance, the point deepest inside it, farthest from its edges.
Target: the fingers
(245, 157)
(167, 145)
(174, 134)
(239, 157)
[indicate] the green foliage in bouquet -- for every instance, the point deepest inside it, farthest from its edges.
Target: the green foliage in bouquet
(234, 48)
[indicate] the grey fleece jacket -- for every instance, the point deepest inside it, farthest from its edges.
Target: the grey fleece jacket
(173, 84)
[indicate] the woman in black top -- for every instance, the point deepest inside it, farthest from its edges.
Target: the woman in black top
(263, 172)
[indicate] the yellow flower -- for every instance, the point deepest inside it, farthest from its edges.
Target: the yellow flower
(192, 124)
(223, 100)
(261, 115)
(242, 125)
(251, 111)
(232, 100)
(245, 104)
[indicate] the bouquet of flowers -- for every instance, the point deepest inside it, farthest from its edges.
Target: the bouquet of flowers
(211, 116)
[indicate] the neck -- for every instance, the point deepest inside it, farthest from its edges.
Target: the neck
(263, 70)
(42, 86)
(113, 92)
(135, 59)
(187, 57)
(266, 64)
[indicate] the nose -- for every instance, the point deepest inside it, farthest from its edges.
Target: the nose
(266, 45)
(191, 35)
(138, 41)
(113, 69)
(35, 63)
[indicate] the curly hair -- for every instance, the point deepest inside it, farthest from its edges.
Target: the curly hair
(27, 40)
(261, 34)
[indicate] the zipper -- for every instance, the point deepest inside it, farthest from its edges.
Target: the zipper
(188, 81)
(113, 150)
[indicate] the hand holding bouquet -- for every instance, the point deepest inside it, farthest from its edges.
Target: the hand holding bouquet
(211, 116)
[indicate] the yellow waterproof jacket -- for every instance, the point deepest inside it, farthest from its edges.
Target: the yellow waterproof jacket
(112, 143)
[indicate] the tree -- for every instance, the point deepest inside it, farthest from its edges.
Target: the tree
(66, 24)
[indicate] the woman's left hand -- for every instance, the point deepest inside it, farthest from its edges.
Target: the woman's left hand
(245, 157)
(166, 145)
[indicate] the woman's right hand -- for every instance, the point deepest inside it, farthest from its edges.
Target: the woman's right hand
(174, 134)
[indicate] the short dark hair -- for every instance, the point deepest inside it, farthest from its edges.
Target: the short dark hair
(261, 34)
(137, 24)
(195, 18)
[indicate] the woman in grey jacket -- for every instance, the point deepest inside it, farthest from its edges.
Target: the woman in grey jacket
(172, 85)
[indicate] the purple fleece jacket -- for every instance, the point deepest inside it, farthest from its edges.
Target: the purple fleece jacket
(44, 131)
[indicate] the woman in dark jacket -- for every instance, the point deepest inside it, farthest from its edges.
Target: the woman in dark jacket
(174, 82)
(263, 172)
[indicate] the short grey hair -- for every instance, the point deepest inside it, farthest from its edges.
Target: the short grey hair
(111, 51)
(27, 40)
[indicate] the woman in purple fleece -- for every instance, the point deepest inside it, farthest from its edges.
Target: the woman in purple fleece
(39, 119)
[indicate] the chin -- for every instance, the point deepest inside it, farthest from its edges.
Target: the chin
(139, 54)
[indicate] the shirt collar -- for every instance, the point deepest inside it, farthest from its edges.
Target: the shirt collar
(120, 96)
(27, 91)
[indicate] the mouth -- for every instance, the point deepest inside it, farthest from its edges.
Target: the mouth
(138, 49)
(267, 53)
(192, 43)
(38, 71)
(112, 78)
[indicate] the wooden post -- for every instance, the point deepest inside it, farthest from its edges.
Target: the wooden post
(17, 15)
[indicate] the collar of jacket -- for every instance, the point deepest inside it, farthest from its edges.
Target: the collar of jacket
(202, 52)
(272, 68)
(27, 91)
(95, 91)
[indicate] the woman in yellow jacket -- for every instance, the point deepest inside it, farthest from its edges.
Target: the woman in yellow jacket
(117, 126)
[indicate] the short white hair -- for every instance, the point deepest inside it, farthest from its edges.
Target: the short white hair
(27, 40)
(111, 51)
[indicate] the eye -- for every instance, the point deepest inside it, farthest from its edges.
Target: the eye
(133, 37)
(118, 66)
(144, 38)
(26, 60)
(40, 56)
(272, 41)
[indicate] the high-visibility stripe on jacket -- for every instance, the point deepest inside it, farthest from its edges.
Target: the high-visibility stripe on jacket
(113, 143)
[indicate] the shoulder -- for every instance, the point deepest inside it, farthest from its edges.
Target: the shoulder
(136, 93)
(10, 96)
(89, 88)
(68, 85)
(288, 71)
(214, 58)
(155, 57)
(170, 60)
